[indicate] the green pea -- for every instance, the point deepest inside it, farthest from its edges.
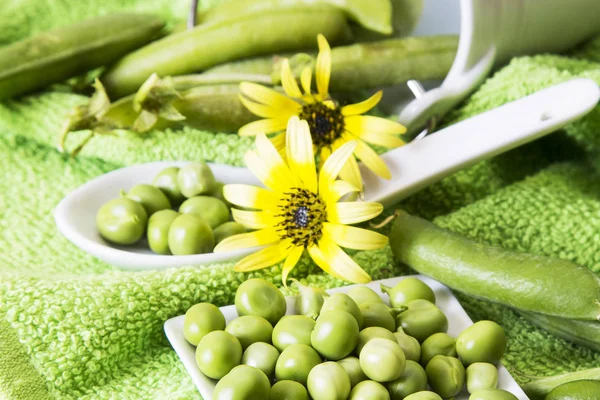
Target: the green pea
(262, 356)
(250, 329)
(194, 179)
(201, 319)
(121, 221)
(158, 230)
(352, 367)
(288, 390)
(364, 295)
(328, 381)
(226, 230)
(217, 192)
(309, 300)
(261, 298)
(292, 329)
(446, 375)
(412, 380)
(212, 210)
(437, 344)
(370, 333)
(377, 314)
(499, 394)
(166, 180)
(369, 390)
(409, 345)
(481, 376)
(407, 290)
(422, 319)
(484, 341)
(335, 334)
(242, 383)
(424, 395)
(190, 234)
(218, 353)
(343, 302)
(150, 197)
(382, 360)
(295, 362)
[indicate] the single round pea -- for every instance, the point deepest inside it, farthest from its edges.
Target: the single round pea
(328, 381)
(262, 356)
(352, 367)
(226, 230)
(370, 333)
(288, 390)
(382, 360)
(409, 345)
(166, 181)
(423, 395)
(446, 375)
(121, 221)
(150, 197)
(292, 329)
(343, 302)
(309, 301)
(364, 295)
(412, 380)
(369, 390)
(158, 230)
(407, 290)
(499, 394)
(217, 192)
(194, 179)
(295, 362)
(583, 389)
(250, 329)
(261, 298)
(201, 319)
(335, 334)
(437, 344)
(212, 210)
(481, 376)
(190, 234)
(243, 383)
(484, 341)
(218, 353)
(377, 314)
(422, 319)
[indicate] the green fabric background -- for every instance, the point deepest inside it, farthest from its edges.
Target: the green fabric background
(74, 327)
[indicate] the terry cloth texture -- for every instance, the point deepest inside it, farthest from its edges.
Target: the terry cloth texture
(74, 327)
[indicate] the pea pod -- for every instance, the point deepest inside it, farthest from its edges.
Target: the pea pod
(210, 44)
(577, 390)
(524, 281)
(538, 388)
(59, 54)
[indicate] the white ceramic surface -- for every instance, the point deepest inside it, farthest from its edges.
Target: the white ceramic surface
(458, 320)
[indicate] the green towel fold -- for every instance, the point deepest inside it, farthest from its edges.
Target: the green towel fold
(74, 327)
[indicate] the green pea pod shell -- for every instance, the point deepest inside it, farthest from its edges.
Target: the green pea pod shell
(539, 387)
(59, 54)
(523, 281)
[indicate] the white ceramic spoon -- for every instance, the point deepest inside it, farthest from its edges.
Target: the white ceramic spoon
(413, 167)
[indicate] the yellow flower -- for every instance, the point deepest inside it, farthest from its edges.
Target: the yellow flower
(330, 125)
(299, 209)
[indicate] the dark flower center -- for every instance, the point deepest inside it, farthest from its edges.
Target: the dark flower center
(326, 124)
(303, 214)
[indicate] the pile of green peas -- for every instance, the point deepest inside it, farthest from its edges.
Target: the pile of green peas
(343, 346)
(202, 219)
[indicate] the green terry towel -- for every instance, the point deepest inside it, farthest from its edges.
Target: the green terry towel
(73, 327)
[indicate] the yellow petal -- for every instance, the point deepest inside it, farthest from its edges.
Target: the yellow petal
(382, 139)
(341, 188)
(267, 96)
(264, 258)
(363, 106)
(277, 168)
(305, 79)
(279, 143)
(354, 238)
(335, 162)
(372, 160)
(288, 81)
(290, 262)
(263, 126)
(300, 153)
(323, 156)
(249, 196)
(247, 240)
(264, 173)
(339, 264)
(263, 111)
(323, 66)
(353, 212)
(351, 174)
(319, 258)
(363, 123)
(254, 219)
